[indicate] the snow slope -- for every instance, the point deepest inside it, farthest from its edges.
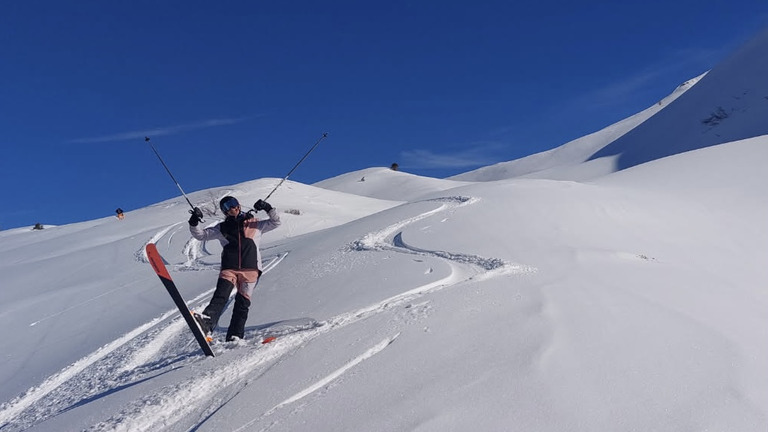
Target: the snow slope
(624, 304)
(384, 183)
(571, 161)
(91, 268)
(635, 301)
(729, 103)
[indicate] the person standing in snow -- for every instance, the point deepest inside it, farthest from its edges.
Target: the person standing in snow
(240, 236)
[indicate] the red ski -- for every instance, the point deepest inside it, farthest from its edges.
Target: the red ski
(162, 272)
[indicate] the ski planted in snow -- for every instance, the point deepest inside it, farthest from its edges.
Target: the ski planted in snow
(162, 272)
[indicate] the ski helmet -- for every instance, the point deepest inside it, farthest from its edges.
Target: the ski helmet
(227, 203)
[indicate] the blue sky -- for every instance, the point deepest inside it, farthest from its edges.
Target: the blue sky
(237, 90)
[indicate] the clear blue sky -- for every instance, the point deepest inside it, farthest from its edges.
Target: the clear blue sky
(237, 90)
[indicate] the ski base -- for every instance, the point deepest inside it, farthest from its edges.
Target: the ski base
(162, 272)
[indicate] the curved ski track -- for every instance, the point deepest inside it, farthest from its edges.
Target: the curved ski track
(106, 370)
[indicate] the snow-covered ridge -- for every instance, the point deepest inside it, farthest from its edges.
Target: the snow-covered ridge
(384, 183)
(567, 162)
(728, 103)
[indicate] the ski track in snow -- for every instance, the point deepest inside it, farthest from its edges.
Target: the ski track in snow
(82, 303)
(141, 254)
(33, 396)
(379, 240)
(73, 391)
(185, 397)
(107, 371)
(323, 382)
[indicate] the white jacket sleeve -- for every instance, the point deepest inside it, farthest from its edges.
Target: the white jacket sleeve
(271, 223)
(205, 234)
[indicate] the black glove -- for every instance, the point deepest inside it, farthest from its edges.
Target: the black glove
(197, 216)
(262, 205)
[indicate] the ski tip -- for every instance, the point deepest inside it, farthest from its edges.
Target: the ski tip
(268, 340)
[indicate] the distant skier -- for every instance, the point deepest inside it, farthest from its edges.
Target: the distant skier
(240, 236)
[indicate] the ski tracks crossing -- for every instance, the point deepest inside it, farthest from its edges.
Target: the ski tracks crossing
(109, 371)
(118, 364)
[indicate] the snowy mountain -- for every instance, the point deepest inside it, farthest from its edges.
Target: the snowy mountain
(633, 301)
(571, 161)
(727, 104)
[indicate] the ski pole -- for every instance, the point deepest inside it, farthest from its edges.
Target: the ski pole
(296, 166)
(169, 173)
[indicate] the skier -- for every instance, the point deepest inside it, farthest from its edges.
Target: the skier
(240, 236)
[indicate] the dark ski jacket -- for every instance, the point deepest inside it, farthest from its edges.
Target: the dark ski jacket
(240, 239)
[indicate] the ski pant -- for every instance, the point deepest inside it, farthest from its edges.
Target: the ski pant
(245, 281)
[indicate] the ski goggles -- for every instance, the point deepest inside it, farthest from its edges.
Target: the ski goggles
(229, 204)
